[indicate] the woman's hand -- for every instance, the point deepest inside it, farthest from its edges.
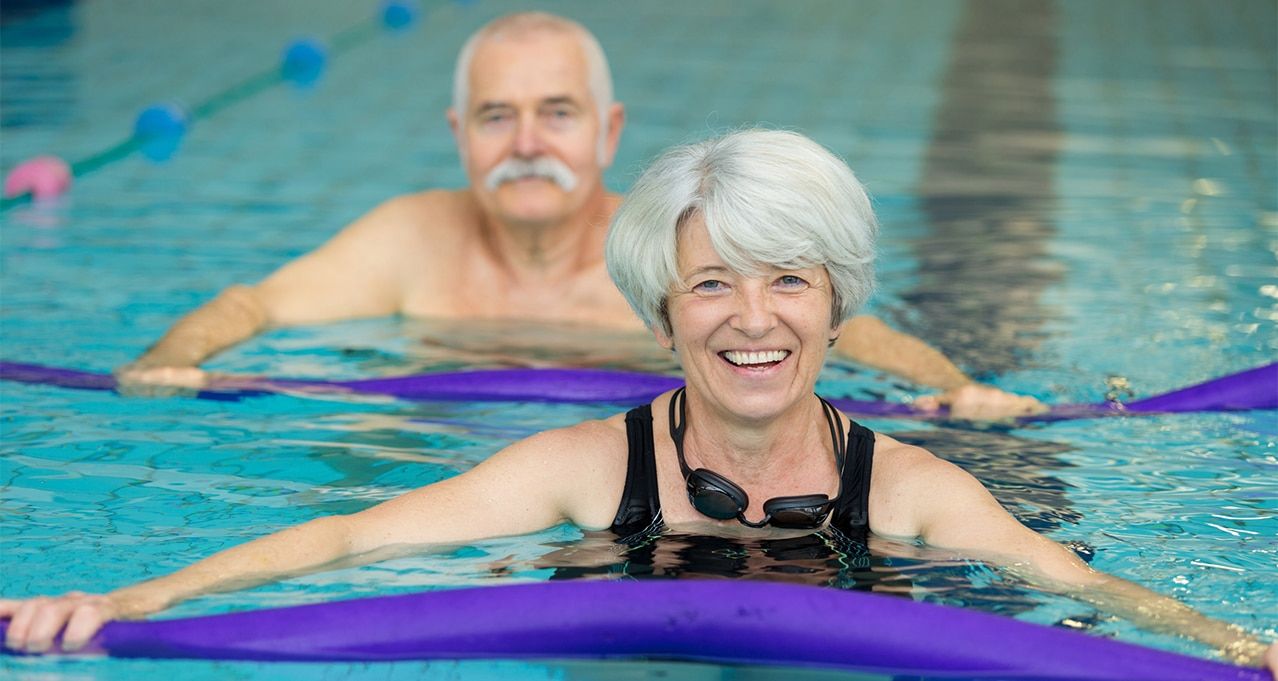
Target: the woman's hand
(35, 623)
(980, 402)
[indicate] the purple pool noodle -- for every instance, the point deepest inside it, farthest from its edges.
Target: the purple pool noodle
(62, 378)
(713, 621)
(1251, 389)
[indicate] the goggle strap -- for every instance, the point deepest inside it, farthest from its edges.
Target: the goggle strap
(676, 431)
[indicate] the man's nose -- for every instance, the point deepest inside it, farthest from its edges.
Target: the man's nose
(756, 314)
(528, 142)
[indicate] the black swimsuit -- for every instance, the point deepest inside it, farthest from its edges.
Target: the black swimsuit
(639, 514)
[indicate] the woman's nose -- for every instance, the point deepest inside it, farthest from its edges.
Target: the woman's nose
(755, 315)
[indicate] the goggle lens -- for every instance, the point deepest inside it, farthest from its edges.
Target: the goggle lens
(714, 496)
(799, 513)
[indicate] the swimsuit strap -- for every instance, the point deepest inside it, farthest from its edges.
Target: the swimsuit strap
(834, 420)
(640, 501)
(852, 508)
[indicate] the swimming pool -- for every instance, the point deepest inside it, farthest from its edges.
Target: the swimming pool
(1117, 218)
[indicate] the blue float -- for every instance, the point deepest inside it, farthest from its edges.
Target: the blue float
(303, 62)
(159, 130)
(398, 15)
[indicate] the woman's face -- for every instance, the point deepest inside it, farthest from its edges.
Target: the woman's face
(750, 346)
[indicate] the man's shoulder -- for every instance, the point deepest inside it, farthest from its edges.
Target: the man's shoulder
(431, 213)
(431, 206)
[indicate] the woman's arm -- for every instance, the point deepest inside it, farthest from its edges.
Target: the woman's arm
(296, 550)
(571, 474)
(953, 510)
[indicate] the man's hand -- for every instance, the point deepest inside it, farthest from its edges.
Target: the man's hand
(980, 402)
(136, 380)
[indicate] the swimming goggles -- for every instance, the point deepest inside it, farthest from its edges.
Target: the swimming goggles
(718, 497)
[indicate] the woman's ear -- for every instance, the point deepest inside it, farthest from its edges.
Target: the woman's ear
(663, 338)
(835, 333)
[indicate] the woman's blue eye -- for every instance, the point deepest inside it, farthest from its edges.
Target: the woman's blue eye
(709, 286)
(792, 281)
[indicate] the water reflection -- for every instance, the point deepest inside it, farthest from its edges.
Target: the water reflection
(442, 345)
(987, 190)
(40, 88)
(827, 558)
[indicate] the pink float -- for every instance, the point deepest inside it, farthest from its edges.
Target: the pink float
(43, 177)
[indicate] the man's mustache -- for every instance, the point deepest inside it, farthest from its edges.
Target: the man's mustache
(545, 167)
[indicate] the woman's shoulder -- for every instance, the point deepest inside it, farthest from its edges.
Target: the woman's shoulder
(610, 430)
(907, 483)
(898, 463)
(588, 439)
(584, 466)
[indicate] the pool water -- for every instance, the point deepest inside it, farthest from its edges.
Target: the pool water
(1075, 197)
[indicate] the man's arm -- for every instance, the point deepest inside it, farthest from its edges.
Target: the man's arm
(355, 274)
(867, 340)
(234, 315)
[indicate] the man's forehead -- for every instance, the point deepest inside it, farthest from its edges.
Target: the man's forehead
(536, 67)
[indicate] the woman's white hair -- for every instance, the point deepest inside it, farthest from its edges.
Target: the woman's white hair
(598, 77)
(769, 198)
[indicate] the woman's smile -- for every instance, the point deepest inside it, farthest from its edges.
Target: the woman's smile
(755, 359)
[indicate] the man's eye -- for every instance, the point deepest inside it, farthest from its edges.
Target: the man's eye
(562, 117)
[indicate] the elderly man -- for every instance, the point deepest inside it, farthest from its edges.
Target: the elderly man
(536, 126)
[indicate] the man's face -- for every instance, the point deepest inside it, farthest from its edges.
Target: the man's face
(529, 138)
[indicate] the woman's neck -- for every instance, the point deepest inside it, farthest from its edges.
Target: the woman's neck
(751, 452)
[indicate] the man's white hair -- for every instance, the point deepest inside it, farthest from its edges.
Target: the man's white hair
(769, 198)
(598, 77)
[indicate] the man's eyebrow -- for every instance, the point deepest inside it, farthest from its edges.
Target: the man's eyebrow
(560, 99)
(485, 107)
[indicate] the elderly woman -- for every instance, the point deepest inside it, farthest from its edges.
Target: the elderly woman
(744, 255)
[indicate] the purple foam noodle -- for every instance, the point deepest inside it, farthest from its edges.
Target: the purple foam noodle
(1250, 389)
(55, 376)
(735, 622)
(1245, 390)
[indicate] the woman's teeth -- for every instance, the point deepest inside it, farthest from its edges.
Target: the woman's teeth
(753, 358)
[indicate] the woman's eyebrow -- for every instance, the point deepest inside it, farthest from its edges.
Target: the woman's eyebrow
(704, 269)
